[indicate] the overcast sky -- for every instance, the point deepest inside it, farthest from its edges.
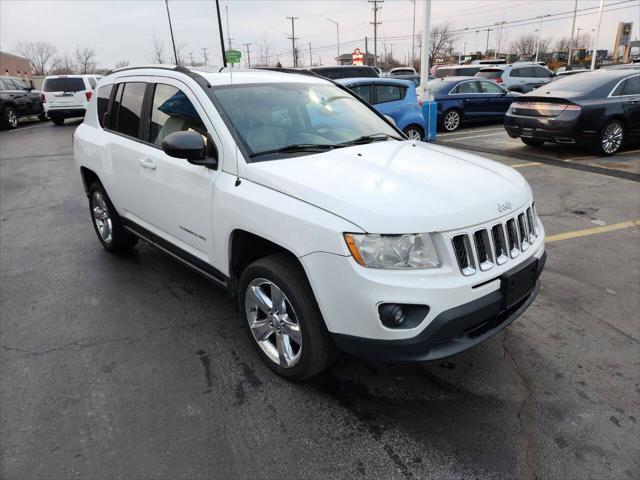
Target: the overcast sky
(123, 30)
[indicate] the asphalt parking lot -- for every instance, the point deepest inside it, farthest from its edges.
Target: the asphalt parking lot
(135, 367)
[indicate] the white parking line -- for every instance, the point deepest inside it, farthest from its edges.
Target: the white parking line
(22, 129)
(480, 136)
(471, 131)
(528, 164)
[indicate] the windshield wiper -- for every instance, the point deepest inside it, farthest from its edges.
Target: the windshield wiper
(297, 147)
(376, 137)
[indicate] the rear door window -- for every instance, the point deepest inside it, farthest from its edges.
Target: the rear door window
(388, 93)
(540, 72)
(363, 91)
(104, 95)
(130, 98)
(172, 112)
(490, 87)
(20, 84)
(63, 85)
(631, 86)
(468, 87)
(518, 72)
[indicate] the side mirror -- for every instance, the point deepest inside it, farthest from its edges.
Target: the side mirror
(191, 147)
(390, 120)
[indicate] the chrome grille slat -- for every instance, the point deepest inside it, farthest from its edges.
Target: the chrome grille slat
(487, 247)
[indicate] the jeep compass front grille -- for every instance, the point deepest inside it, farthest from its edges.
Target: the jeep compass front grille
(486, 247)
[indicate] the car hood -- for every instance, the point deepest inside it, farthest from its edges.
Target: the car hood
(397, 187)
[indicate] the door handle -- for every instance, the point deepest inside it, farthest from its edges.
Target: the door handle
(147, 163)
(634, 100)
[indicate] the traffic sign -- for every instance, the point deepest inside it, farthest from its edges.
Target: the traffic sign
(233, 56)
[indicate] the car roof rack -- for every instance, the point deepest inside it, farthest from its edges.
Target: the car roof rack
(203, 82)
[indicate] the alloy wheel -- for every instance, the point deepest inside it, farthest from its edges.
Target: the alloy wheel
(451, 121)
(413, 134)
(273, 322)
(101, 217)
(612, 138)
(12, 118)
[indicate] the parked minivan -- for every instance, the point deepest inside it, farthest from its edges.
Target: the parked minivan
(329, 228)
(67, 96)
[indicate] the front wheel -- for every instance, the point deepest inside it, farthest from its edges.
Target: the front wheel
(283, 319)
(413, 132)
(106, 222)
(611, 138)
(451, 120)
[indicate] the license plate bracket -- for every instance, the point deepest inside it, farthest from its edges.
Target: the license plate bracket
(518, 283)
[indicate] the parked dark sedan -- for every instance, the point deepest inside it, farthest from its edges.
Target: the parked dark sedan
(18, 99)
(465, 99)
(598, 109)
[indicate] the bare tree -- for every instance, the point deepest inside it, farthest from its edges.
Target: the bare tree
(562, 44)
(524, 45)
(157, 54)
(62, 65)
(264, 49)
(441, 35)
(583, 40)
(501, 37)
(545, 45)
(121, 64)
(86, 59)
(180, 50)
(38, 53)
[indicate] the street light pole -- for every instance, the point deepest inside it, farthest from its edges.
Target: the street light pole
(337, 32)
(173, 42)
(538, 42)
(594, 50)
(573, 27)
(247, 45)
(424, 46)
(413, 36)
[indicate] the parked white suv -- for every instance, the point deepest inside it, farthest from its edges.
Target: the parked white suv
(328, 226)
(520, 77)
(67, 96)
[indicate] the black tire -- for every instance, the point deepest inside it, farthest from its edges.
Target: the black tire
(451, 126)
(413, 131)
(9, 118)
(57, 120)
(318, 351)
(121, 240)
(532, 142)
(42, 117)
(611, 138)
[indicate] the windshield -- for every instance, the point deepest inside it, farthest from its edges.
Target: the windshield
(276, 116)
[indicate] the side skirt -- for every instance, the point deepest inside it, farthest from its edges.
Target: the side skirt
(186, 258)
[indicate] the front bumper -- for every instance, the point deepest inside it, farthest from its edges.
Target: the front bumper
(451, 332)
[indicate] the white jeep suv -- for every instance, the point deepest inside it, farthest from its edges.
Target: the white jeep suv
(332, 230)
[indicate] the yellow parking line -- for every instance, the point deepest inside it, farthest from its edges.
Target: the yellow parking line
(592, 231)
(528, 164)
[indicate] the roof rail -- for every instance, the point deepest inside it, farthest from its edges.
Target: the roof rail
(176, 68)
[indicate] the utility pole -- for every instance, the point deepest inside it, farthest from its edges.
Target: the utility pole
(391, 51)
(413, 36)
(248, 54)
(310, 57)
(224, 57)
(337, 32)
(486, 50)
(366, 50)
(477, 32)
(173, 42)
(226, 7)
(578, 30)
(375, 24)
(191, 57)
(293, 40)
(594, 50)
(573, 26)
(205, 56)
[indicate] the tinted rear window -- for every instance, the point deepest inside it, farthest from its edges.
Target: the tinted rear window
(489, 73)
(581, 84)
(130, 109)
(63, 85)
(348, 72)
(104, 94)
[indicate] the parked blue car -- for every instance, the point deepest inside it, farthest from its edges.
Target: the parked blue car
(464, 99)
(395, 98)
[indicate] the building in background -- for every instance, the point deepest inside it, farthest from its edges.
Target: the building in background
(14, 65)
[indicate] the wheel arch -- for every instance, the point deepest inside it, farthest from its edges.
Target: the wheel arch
(245, 248)
(88, 177)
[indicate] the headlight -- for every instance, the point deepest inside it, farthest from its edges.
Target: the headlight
(393, 252)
